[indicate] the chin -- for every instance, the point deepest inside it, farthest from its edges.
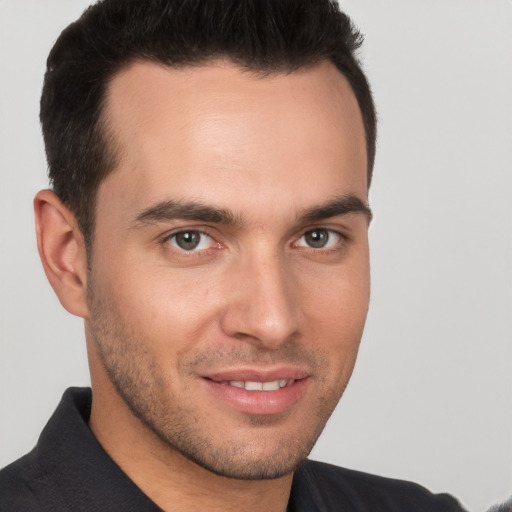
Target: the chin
(241, 467)
(263, 452)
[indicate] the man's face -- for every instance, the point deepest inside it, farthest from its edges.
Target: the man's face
(230, 276)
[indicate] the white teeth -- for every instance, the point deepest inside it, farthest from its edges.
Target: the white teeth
(271, 386)
(274, 385)
(254, 386)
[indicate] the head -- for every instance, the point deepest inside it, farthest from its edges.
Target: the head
(211, 162)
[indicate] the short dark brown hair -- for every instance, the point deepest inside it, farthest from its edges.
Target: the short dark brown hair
(267, 36)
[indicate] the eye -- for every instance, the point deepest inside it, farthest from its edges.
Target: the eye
(191, 240)
(319, 238)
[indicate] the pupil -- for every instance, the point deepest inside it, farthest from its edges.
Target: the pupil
(317, 238)
(188, 240)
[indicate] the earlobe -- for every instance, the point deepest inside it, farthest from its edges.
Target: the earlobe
(62, 252)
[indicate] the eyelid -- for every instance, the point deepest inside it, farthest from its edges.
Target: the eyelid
(338, 231)
(341, 238)
(165, 239)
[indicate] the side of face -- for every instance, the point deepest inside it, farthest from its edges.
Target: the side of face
(229, 280)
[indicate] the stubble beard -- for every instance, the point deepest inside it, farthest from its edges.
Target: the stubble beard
(134, 374)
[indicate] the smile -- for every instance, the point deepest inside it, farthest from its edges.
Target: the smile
(258, 392)
(273, 385)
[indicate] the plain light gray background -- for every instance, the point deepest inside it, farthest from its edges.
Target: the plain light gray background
(431, 396)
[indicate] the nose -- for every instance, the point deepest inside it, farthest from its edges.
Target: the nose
(262, 303)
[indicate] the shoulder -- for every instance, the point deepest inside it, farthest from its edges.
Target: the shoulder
(18, 484)
(332, 486)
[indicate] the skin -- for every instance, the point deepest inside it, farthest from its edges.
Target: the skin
(268, 153)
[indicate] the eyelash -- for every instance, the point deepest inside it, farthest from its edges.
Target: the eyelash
(167, 240)
(342, 239)
(339, 245)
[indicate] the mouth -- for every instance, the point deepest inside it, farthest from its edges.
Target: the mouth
(272, 385)
(259, 393)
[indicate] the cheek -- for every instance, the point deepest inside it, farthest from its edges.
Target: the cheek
(167, 309)
(338, 302)
(336, 313)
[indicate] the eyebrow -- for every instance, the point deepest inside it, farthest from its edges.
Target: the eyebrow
(193, 210)
(342, 205)
(189, 210)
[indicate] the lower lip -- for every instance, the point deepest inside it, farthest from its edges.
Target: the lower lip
(259, 402)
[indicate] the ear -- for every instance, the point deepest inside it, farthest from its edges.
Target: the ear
(62, 251)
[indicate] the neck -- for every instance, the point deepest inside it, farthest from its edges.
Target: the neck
(168, 478)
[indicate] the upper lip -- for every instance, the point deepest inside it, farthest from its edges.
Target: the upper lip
(257, 374)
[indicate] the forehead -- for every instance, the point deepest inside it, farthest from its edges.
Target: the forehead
(196, 132)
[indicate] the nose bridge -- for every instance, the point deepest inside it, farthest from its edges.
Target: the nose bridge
(264, 303)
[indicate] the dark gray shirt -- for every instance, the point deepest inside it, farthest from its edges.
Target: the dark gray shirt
(68, 470)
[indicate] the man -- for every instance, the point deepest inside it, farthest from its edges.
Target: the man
(210, 163)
